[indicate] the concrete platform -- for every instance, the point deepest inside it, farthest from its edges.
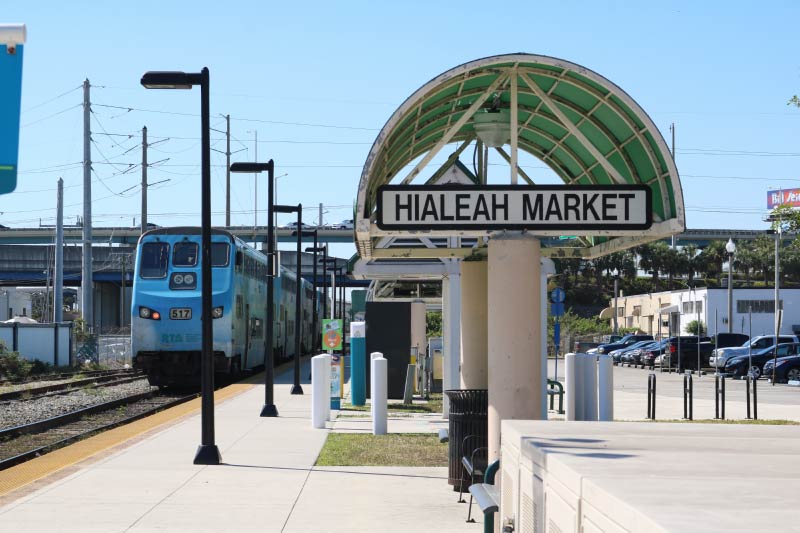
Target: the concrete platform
(268, 481)
(646, 477)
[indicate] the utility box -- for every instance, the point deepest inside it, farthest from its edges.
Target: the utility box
(389, 331)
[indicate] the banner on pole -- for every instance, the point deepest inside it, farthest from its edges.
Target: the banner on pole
(332, 334)
(12, 37)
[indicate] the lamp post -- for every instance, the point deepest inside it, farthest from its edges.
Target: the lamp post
(730, 247)
(777, 297)
(298, 322)
(324, 280)
(333, 269)
(207, 452)
(269, 409)
(615, 275)
(314, 249)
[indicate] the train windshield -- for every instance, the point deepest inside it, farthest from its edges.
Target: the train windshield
(220, 254)
(184, 254)
(154, 259)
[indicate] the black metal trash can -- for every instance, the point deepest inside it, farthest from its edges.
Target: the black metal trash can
(469, 417)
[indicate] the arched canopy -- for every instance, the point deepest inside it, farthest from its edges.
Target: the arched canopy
(584, 128)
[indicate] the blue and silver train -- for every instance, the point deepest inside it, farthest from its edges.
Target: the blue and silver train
(166, 303)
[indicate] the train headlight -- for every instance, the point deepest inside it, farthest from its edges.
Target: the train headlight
(217, 312)
(149, 314)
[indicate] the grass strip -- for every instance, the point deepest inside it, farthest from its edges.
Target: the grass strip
(394, 449)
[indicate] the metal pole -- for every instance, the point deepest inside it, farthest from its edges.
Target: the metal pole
(228, 170)
(750, 334)
(298, 320)
(730, 293)
(269, 409)
(697, 309)
(144, 179)
(325, 281)
(777, 295)
(58, 283)
(333, 291)
(207, 452)
(315, 328)
(123, 259)
(616, 279)
(87, 308)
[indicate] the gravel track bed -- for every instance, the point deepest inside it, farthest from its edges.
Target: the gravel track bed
(16, 413)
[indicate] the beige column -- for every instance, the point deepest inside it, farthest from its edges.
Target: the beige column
(474, 325)
(515, 371)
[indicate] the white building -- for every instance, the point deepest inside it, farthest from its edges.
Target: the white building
(668, 313)
(15, 301)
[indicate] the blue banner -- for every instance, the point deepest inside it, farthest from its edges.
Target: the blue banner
(10, 98)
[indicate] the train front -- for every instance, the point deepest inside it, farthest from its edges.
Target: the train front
(166, 305)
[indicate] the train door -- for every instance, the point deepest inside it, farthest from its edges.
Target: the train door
(247, 330)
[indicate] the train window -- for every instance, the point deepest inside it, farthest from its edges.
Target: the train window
(184, 254)
(154, 260)
(238, 260)
(220, 254)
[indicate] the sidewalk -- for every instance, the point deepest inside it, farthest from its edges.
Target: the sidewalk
(267, 481)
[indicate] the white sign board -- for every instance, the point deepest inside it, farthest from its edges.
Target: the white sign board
(547, 207)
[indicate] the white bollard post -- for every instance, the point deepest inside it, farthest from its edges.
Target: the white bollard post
(320, 390)
(605, 388)
(378, 394)
(589, 387)
(570, 397)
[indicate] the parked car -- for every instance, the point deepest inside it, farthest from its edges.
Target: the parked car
(585, 346)
(631, 354)
(720, 356)
(625, 341)
(293, 225)
(786, 369)
(738, 365)
(689, 349)
(617, 354)
(651, 353)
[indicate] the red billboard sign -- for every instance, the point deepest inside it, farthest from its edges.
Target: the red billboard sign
(788, 197)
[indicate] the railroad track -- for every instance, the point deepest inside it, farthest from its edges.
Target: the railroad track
(55, 377)
(22, 443)
(107, 379)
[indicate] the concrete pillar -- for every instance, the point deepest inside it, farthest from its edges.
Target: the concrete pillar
(451, 325)
(515, 370)
(474, 325)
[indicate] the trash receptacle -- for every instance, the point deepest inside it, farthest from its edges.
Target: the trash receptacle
(468, 418)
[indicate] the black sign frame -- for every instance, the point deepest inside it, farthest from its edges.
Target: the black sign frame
(571, 226)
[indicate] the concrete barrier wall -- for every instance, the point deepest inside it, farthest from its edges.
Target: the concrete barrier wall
(39, 342)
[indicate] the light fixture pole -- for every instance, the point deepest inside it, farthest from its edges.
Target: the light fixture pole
(615, 275)
(730, 247)
(207, 452)
(298, 323)
(315, 249)
(269, 409)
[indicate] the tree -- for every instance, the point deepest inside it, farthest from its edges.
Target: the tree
(433, 324)
(694, 325)
(711, 259)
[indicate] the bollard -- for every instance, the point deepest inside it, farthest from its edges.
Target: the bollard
(570, 386)
(358, 364)
(320, 390)
(688, 396)
(752, 379)
(578, 389)
(605, 388)
(589, 390)
(379, 391)
(719, 392)
(651, 396)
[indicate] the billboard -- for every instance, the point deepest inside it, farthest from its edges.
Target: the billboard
(788, 197)
(11, 38)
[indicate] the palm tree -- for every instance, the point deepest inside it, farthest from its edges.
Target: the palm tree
(711, 259)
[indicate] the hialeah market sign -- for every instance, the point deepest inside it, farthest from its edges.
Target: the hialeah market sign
(546, 207)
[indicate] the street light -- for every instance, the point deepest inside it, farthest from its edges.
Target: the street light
(332, 261)
(207, 452)
(615, 275)
(314, 249)
(269, 409)
(298, 323)
(730, 247)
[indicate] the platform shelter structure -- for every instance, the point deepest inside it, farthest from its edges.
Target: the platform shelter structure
(580, 159)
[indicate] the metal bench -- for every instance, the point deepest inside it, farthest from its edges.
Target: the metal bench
(488, 496)
(555, 388)
(473, 459)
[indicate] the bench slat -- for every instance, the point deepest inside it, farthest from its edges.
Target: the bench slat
(487, 497)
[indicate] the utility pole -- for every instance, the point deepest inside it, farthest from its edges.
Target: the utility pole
(58, 284)
(320, 217)
(87, 307)
(144, 179)
(228, 171)
(124, 259)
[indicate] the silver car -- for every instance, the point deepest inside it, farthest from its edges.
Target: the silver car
(720, 356)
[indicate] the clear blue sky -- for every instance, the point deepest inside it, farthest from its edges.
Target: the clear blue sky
(318, 80)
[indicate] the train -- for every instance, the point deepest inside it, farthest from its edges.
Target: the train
(166, 307)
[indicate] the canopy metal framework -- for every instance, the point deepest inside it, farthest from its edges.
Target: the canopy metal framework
(583, 127)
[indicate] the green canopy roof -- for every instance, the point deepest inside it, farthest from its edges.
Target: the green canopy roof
(582, 126)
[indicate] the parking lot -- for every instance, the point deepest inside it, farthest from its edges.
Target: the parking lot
(778, 402)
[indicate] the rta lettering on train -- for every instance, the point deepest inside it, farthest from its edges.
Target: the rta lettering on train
(547, 207)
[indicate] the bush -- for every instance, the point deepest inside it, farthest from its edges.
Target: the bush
(693, 326)
(12, 366)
